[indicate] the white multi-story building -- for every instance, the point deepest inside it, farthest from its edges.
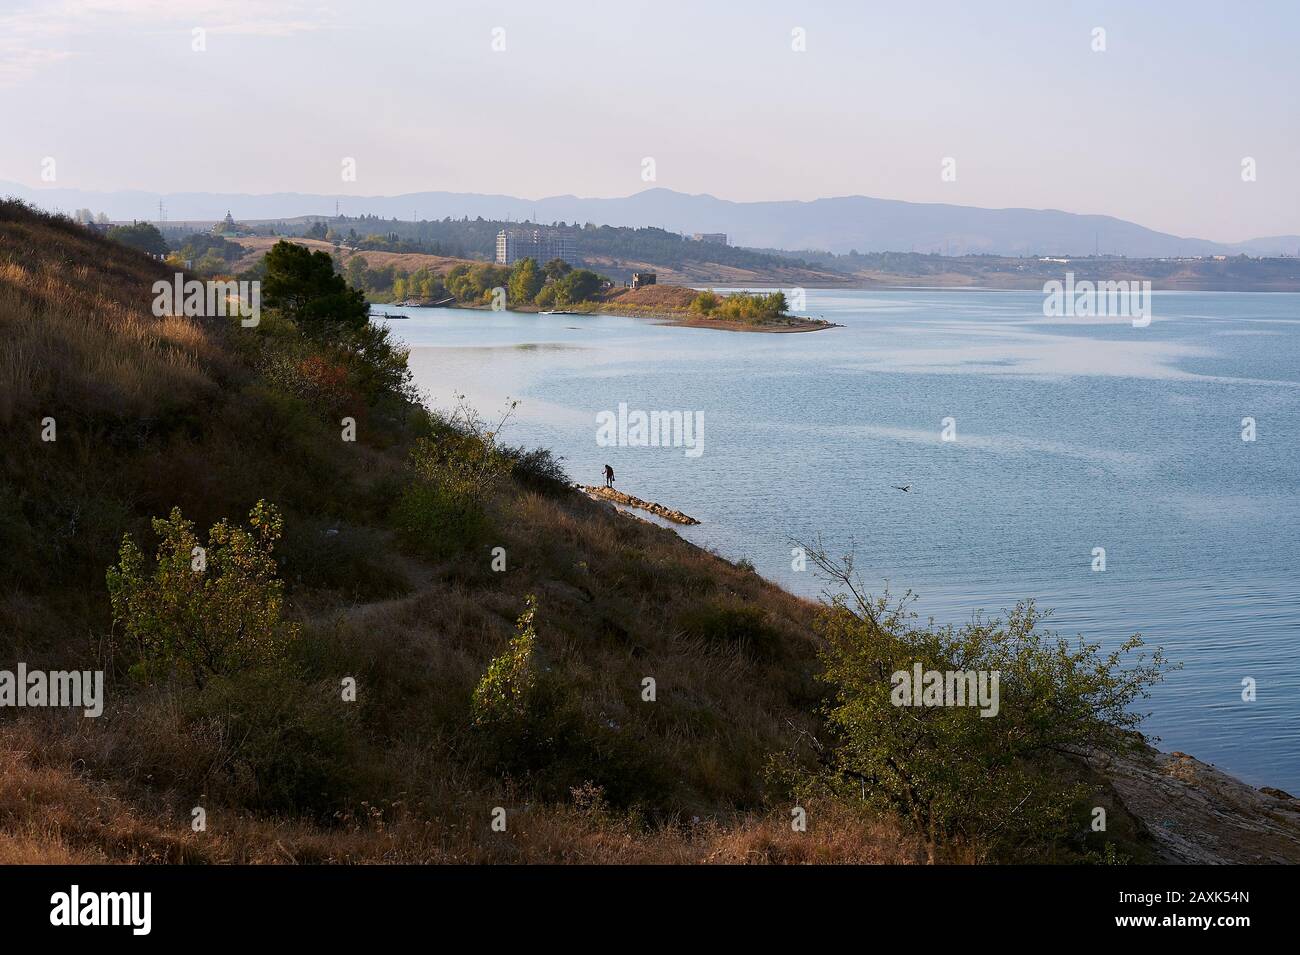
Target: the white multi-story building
(541, 245)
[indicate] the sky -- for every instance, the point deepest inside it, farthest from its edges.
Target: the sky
(548, 98)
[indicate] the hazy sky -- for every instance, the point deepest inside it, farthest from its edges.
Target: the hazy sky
(1153, 129)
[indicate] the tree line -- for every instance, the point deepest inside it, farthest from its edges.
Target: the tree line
(554, 284)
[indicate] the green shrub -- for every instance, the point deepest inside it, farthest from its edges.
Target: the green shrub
(740, 306)
(475, 283)
(998, 782)
(442, 511)
(705, 303)
(502, 695)
(525, 282)
(335, 555)
(140, 235)
(578, 285)
(291, 746)
(303, 286)
(377, 364)
(203, 610)
(733, 625)
(563, 746)
(530, 724)
(438, 521)
(539, 469)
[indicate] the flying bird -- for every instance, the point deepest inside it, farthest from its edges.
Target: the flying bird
(904, 487)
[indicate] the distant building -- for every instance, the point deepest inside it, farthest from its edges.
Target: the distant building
(541, 245)
(643, 278)
(228, 226)
(509, 247)
(720, 238)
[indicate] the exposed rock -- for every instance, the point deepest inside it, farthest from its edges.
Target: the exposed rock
(1197, 814)
(627, 500)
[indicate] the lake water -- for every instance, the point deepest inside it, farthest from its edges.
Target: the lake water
(1070, 434)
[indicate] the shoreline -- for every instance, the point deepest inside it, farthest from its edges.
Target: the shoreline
(1192, 811)
(869, 286)
(662, 316)
(791, 329)
(680, 318)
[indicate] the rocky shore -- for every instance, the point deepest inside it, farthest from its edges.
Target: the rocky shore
(1195, 814)
(627, 500)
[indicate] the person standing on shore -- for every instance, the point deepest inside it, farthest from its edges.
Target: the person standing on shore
(609, 476)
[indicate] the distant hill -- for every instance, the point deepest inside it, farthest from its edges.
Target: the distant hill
(1232, 273)
(840, 224)
(612, 251)
(258, 246)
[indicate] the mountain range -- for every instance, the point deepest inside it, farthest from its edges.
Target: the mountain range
(839, 224)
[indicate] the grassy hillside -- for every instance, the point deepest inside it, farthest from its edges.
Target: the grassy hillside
(497, 626)
(700, 270)
(154, 413)
(257, 247)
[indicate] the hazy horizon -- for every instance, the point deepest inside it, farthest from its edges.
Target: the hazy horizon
(40, 187)
(1153, 130)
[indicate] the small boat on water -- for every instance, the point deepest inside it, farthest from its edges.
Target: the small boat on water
(558, 311)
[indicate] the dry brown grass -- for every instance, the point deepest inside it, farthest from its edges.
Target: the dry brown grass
(657, 296)
(77, 329)
(49, 816)
(258, 246)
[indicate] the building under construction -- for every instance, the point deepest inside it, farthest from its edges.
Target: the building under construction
(541, 245)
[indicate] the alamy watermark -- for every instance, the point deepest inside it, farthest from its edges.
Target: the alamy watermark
(211, 299)
(133, 910)
(1106, 299)
(75, 688)
(920, 687)
(651, 429)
